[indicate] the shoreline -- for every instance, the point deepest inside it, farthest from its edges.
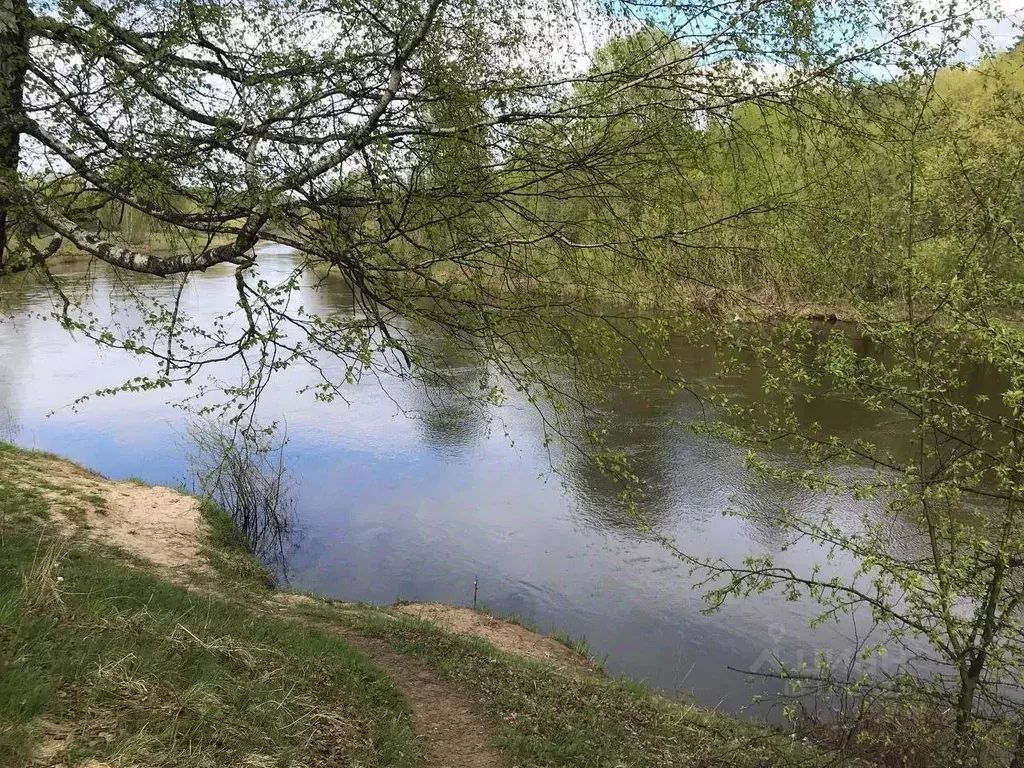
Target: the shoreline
(100, 571)
(186, 538)
(742, 306)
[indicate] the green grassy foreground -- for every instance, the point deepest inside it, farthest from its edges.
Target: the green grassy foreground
(104, 659)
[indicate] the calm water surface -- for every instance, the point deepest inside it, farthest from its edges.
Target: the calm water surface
(414, 507)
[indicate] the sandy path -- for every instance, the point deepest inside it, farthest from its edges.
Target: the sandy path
(453, 734)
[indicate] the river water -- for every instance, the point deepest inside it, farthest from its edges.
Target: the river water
(398, 500)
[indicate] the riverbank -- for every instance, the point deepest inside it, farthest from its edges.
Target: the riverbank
(734, 303)
(137, 631)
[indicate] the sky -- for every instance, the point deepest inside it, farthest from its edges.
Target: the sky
(1002, 33)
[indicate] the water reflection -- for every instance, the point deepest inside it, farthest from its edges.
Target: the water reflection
(413, 492)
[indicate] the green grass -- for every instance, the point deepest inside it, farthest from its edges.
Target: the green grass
(96, 500)
(228, 552)
(18, 506)
(18, 452)
(127, 668)
(579, 644)
(542, 716)
(25, 452)
(511, 618)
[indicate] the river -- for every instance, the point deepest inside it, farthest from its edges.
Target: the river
(397, 499)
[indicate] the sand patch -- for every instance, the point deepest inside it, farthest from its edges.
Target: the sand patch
(52, 744)
(503, 635)
(157, 524)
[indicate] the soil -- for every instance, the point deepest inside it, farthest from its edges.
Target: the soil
(453, 734)
(158, 524)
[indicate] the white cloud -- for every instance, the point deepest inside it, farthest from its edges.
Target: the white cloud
(997, 26)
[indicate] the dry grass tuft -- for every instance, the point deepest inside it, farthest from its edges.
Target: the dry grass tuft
(41, 585)
(253, 658)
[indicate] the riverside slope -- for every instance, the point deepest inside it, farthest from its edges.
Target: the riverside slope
(138, 633)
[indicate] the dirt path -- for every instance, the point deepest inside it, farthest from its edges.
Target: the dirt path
(454, 736)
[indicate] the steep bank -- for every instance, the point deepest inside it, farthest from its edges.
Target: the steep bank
(123, 641)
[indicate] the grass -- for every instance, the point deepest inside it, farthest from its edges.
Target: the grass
(27, 454)
(511, 618)
(100, 502)
(579, 644)
(18, 506)
(102, 661)
(542, 716)
(228, 552)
